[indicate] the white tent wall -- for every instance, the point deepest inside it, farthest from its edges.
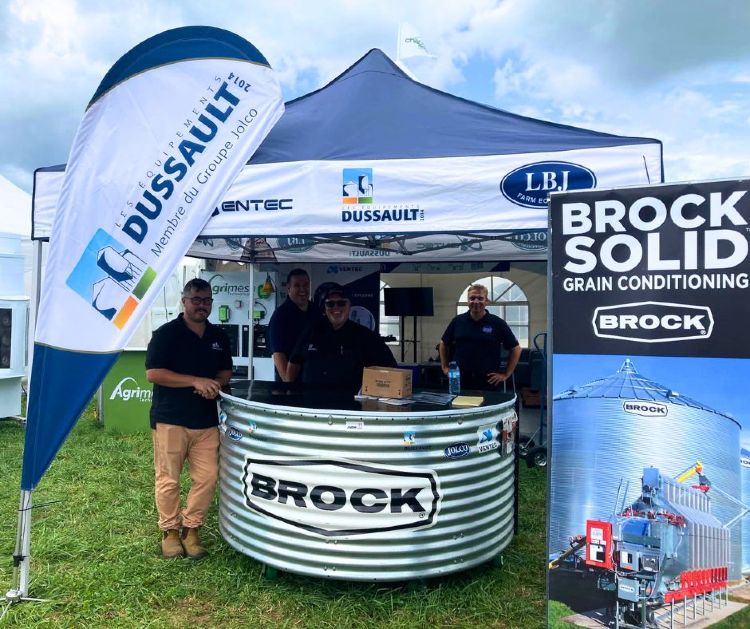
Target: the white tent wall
(447, 288)
(15, 218)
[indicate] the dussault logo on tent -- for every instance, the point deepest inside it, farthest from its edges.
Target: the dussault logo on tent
(653, 322)
(359, 201)
(358, 186)
(111, 278)
(530, 185)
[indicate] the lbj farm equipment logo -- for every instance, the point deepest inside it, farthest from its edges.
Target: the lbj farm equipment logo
(111, 278)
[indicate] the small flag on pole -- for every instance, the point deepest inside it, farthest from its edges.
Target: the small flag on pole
(410, 43)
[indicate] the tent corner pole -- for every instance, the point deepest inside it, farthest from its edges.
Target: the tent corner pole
(35, 298)
(251, 327)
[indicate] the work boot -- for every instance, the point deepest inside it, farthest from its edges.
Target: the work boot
(171, 546)
(192, 544)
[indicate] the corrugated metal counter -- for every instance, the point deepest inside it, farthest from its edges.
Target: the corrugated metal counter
(330, 487)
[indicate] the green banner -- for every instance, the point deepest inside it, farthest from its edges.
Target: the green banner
(126, 394)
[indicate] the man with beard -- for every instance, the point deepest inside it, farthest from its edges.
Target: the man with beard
(474, 340)
(188, 361)
(332, 353)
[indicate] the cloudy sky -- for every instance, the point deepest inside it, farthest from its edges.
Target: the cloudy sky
(677, 70)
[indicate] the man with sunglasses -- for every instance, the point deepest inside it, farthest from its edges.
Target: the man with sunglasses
(474, 340)
(188, 361)
(333, 351)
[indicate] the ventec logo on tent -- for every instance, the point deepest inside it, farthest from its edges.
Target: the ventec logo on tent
(111, 278)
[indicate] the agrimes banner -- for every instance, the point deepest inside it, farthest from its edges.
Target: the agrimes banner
(649, 305)
(164, 136)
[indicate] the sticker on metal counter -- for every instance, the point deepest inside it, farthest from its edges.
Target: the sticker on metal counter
(487, 438)
(340, 498)
(409, 438)
(233, 433)
(355, 424)
(456, 450)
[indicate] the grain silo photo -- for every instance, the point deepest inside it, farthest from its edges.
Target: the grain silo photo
(745, 475)
(607, 430)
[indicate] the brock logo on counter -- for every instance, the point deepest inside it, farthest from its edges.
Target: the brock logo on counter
(341, 498)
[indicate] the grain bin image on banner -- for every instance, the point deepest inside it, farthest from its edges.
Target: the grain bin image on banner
(745, 475)
(609, 429)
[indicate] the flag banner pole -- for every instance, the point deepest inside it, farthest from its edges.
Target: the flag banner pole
(163, 138)
(20, 587)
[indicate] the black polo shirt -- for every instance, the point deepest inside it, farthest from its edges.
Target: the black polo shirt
(176, 347)
(476, 347)
(334, 359)
(286, 325)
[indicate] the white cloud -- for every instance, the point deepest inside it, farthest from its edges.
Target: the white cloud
(676, 71)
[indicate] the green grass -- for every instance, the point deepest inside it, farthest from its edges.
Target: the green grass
(557, 612)
(95, 555)
(738, 620)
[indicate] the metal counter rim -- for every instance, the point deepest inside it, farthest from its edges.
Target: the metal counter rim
(304, 411)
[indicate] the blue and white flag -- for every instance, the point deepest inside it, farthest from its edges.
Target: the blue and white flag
(163, 138)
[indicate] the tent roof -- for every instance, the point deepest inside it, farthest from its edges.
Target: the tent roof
(375, 111)
(442, 155)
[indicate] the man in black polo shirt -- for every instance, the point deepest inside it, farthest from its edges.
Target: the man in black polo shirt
(474, 340)
(290, 319)
(188, 361)
(332, 353)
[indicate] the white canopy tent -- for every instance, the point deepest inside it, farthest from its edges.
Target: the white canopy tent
(377, 166)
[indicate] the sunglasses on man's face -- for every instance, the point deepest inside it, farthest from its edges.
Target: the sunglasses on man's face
(197, 301)
(336, 303)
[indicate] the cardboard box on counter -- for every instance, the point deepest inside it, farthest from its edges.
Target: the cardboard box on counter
(386, 382)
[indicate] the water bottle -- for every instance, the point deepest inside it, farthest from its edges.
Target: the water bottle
(454, 378)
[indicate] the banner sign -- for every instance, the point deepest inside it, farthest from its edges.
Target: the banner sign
(660, 270)
(163, 138)
(530, 244)
(649, 367)
(126, 395)
(409, 196)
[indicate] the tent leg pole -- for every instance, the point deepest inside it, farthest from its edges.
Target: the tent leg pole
(251, 327)
(23, 548)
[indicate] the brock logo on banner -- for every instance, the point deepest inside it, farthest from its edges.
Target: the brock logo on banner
(341, 498)
(653, 322)
(651, 269)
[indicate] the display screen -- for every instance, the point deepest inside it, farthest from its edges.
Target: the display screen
(6, 328)
(408, 302)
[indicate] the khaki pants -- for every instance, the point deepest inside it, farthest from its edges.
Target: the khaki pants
(172, 446)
